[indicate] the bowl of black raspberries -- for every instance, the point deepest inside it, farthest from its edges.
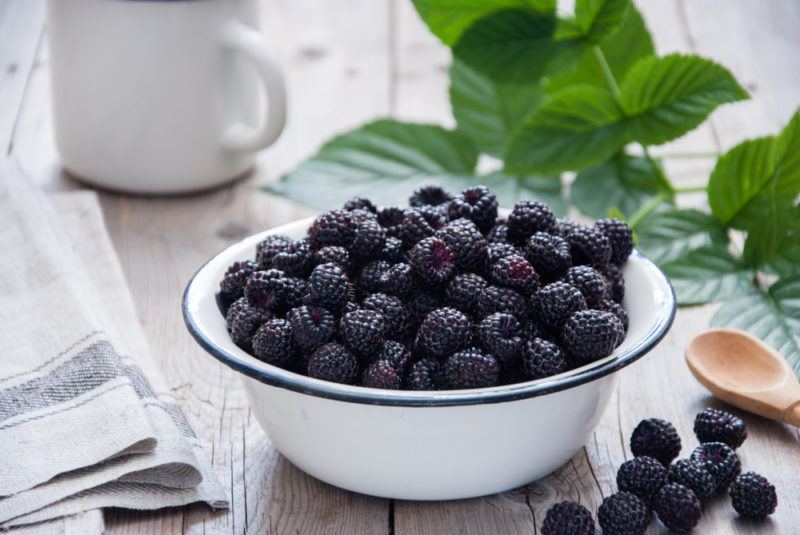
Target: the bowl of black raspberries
(438, 350)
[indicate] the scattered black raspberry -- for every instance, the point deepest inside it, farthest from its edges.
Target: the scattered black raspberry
(391, 219)
(720, 460)
(616, 282)
(615, 308)
(623, 514)
(501, 336)
(273, 343)
(693, 475)
(294, 260)
(444, 331)
(515, 272)
(394, 312)
(381, 374)
(332, 254)
(368, 242)
(463, 291)
(266, 289)
(471, 369)
(368, 279)
(311, 326)
(269, 247)
(590, 282)
(589, 335)
(420, 223)
(397, 280)
(549, 255)
(432, 261)
(232, 284)
(642, 476)
(425, 375)
(589, 246)
(421, 302)
(713, 425)
(498, 234)
(620, 237)
(555, 303)
(360, 203)
(656, 438)
(677, 507)
(294, 293)
(393, 250)
(396, 354)
(430, 195)
(362, 331)
(466, 242)
(568, 518)
(529, 217)
(328, 286)
(495, 252)
(753, 496)
(336, 227)
(496, 299)
(478, 204)
(242, 321)
(333, 362)
(541, 358)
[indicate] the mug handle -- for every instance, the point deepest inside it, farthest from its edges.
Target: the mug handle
(250, 44)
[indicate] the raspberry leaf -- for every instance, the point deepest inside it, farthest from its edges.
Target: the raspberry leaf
(488, 111)
(666, 97)
(672, 234)
(707, 274)
(775, 230)
(599, 18)
(786, 264)
(624, 182)
(448, 19)
(773, 316)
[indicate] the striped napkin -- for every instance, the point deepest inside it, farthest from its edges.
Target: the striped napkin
(86, 420)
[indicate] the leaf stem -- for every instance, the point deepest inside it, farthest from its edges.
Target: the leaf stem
(608, 74)
(691, 189)
(648, 207)
(662, 179)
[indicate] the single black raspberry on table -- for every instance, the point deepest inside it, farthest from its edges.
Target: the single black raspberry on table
(432, 261)
(431, 195)
(656, 438)
(397, 280)
(619, 236)
(333, 362)
(273, 342)
(465, 240)
(555, 303)
(497, 299)
(425, 375)
(478, 204)
(589, 335)
(394, 312)
(294, 260)
(337, 227)
(714, 425)
(328, 286)
(720, 460)
(360, 203)
(444, 331)
(471, 368)
(549, 255)
(753, 496)
(515, 272)
(269, 247)
(362, 331)
(501, 336)
(391, 218)
(542, 358)
(589, 246)
(332, 254)
(463, 291)
(312, 326)
(420, 223)
(642, 476)
(678, 508)
(232, 285)
(568, 518)
(527, 218)
(242, 320)
(590, 282)
(381, 374)
(693, 475)
(623, 514)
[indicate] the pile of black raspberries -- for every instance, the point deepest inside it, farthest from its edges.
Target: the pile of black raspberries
(439, 295)
(675, 491)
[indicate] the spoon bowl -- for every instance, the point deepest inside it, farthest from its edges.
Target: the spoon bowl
(743, 371)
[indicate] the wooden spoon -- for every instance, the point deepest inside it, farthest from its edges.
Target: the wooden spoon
(743, 371)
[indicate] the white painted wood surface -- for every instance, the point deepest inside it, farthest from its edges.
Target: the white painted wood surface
(347, 62)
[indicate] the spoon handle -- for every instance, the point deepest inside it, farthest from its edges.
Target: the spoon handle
(792, 414)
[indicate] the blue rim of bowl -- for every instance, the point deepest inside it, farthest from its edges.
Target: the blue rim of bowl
(278, 377)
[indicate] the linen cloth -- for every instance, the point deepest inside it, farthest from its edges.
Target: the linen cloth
(86, 419)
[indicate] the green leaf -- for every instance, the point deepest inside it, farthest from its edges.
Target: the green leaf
(666, 97)
(706, 275)
(622, 50)
(448, 19)
(786, 264)
(775, 230)
(574, 129)
(510, 189)
(772, 316)
(515, 46)
(623, 182)
(756, 173)
(488, 111)
(384, 160)
(600, 18)
(669, 235)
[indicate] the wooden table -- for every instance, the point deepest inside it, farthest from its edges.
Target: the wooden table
(348, 61)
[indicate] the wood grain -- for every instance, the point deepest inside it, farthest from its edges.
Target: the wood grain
(345, 66)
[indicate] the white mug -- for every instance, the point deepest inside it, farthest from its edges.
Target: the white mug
(161, 96)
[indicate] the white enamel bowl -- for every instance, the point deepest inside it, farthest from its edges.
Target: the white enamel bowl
(428, 445)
